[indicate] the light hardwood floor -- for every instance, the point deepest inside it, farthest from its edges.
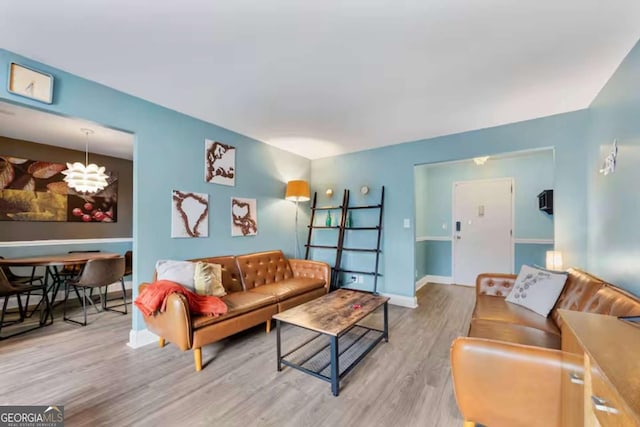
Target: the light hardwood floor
(101, 381)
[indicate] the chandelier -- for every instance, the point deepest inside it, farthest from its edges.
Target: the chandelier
(87, 178)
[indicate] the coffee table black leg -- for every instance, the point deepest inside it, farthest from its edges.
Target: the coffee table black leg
(279, 352)
(335, 368)
(386, 323)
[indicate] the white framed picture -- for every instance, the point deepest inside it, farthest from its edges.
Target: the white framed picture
(219, 163)
(244, 217)
(189, 214)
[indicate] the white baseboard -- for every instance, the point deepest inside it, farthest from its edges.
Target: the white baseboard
(444, 280)
(401, 300)
(420, 283)
(141, 338)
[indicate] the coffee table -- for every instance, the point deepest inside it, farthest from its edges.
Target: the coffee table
(336, 316)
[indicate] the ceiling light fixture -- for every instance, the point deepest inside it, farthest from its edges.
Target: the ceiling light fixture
(480, 160)
(87, 178)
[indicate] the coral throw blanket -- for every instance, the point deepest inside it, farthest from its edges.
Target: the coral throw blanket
(154, 298)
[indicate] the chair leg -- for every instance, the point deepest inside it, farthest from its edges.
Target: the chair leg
(197, 357)
(268, 326)
(161, 342)
(124, 300)
(4, 311)
(84, 304)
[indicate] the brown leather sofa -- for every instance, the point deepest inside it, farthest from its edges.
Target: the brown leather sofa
(258, 286)
(507, 371)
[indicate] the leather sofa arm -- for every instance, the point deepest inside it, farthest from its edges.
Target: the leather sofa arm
(312, 269)
(174, 324)
(495, 284)
(503, 384)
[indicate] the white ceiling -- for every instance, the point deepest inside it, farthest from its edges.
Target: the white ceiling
(326, 77)
(45, 128)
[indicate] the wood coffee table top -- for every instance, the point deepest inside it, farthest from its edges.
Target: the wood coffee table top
(334, 313)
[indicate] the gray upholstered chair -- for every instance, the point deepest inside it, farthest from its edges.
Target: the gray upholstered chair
(96, 273)
(9, 289)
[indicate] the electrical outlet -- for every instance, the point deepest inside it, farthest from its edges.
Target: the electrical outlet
(354, 279)
(360, 279)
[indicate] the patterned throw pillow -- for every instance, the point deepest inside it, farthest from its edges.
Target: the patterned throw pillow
(208, 279)
(537, 289)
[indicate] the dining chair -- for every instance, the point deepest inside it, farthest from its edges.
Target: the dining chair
(128, 263)
(8, 290)
(69, 271)
(16, 278)
(95, 274)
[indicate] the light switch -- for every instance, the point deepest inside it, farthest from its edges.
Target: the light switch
(444, 225)
(481, 210)
(406, 223)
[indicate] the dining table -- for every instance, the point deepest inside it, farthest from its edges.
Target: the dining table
(52, 263)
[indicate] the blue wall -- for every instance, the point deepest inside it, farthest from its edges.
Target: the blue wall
(614, 200)
(532, 172)
(393, 166)
(169, 154)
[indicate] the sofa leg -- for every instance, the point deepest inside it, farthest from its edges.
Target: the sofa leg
(161, 342)
(197, 357)
(268, 325)
(468, 424)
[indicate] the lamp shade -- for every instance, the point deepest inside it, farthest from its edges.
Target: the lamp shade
(85, 178)
(297, 191)
(554, 260)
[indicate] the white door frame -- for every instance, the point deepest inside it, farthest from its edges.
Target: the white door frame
(453, 222)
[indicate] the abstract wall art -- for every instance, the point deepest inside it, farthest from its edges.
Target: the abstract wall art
(219, 163)
(33, 190)
(189, 214)
(244, 217)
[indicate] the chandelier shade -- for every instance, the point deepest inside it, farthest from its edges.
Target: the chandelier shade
(87, 177)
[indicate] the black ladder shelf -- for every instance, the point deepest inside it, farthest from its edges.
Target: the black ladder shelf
(338, 246)
(344, 209)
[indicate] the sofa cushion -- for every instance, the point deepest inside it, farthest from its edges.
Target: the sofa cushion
(208, 279)
(613, 302)
(578, 291)
(180, 272)
(288, 288)
(499, 310)
(230, 274)
(237, 303)
(537, 289)
(514, 333)
(263, 268)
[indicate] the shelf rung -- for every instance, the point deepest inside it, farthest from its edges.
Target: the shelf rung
(321, 246)
(362, 228)
(368, 273)
(360, 250)
(322, 226)
(326, 208)
(365, 207)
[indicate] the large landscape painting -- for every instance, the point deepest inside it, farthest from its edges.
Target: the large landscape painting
(33, 190)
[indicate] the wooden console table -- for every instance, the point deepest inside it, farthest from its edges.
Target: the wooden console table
(607, 392)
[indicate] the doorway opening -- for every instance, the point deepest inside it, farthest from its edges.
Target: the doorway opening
(451, 253)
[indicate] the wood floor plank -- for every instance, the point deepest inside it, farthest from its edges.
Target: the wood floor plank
(101, 381)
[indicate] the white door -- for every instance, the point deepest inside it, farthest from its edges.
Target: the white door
(482, 229)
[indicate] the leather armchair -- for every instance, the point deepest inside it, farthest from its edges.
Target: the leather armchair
(504, 384)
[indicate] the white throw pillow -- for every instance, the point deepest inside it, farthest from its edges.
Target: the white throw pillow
(537, 289)
(181, 272)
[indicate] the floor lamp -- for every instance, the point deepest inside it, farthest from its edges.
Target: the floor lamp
(297, 191)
